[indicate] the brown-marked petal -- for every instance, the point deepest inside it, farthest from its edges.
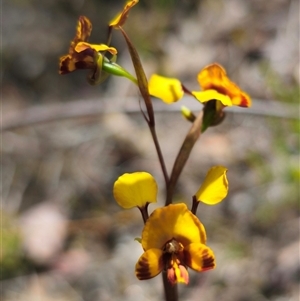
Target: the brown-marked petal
(199, 257)
(120, 19)
(83, 32)
(66, 64)
(149, 264)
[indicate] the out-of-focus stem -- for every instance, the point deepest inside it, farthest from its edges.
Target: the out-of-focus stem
(159, 153)
(171, 291)
(183, 155)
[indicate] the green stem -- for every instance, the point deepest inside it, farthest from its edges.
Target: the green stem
(171, 291)
(115, 69)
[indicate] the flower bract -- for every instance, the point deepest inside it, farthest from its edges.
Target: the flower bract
(215, 186)
(135, 190)
(173, 239)
(216, 85)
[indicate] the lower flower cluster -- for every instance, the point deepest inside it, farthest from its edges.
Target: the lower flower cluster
(173, 238)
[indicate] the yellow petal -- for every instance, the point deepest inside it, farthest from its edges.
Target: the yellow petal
(205, 96)
(120, 19)
(214, 77)
(174, 221)
(149, 265)
(135, 189)
(81, 46)
(215, 186)
(168, 90)
(199, 257)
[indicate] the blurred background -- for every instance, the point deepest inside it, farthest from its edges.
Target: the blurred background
(64, 143)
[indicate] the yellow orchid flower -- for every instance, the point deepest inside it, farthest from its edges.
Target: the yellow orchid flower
(216, 85)
(173, 239)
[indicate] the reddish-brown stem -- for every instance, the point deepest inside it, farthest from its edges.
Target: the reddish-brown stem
(195, 205)
(171, 291)
(183, 155)
(186, 91)
(144, 212)
(159, 153)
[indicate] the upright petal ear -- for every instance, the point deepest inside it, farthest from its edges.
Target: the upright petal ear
(83, 32)
(84, 29)
(215, 186)
(67, 63)
(149, 265)
(135, 190)
(120, 19)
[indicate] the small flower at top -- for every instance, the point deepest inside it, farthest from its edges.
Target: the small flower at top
(83, 55)
(216, 85)
(173, 239)
(120, 19)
